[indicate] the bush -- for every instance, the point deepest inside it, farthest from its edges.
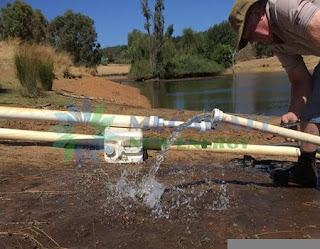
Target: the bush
(27, 72)
(46, 74)
(140, 70)
(104, 61)
(262, 50)
(192, 65)
(33, 68)
(222, 54)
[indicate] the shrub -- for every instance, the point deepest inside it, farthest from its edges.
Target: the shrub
(104, 61)
(192, 65)
(27, 71)
(140, 70)
(46, 74)
(34, 67)
(262, 50)
(222, 54)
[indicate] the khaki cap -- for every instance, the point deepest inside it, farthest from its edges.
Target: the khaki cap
(237, 18)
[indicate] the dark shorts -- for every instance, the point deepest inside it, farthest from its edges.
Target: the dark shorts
(312, 111)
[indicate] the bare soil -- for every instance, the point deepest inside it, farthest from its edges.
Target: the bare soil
(46, 202)
(99, 88)
(49, 202)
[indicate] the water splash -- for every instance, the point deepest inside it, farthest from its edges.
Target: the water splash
(150, 187)
(170, 141)
(149, 192)
(131, 189)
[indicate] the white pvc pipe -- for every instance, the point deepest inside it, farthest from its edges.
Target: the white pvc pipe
(219, 116)
(114, 120)
(242, 149)
(79, 117)
(42, 136)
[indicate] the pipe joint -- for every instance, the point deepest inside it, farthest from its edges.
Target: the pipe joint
(217, 116)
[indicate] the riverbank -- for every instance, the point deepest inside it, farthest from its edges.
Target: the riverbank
(264, 65)
(267, 65)
(96, 88)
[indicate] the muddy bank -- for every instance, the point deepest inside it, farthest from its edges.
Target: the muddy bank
(96, 88)
(50, 200)
(46, 203)
(57, 197)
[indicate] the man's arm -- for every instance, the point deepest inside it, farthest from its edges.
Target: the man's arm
(312, 31)
(301, 87)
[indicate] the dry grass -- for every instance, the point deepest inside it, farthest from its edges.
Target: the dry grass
(7, 73)
(270, 64)
(62, 62)
(114, 69)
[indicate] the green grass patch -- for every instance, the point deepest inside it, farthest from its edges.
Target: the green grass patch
(12, 97)
(34, 68)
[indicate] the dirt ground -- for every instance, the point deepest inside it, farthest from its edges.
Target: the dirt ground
(59, 198)
(47, 202)
(101, 89)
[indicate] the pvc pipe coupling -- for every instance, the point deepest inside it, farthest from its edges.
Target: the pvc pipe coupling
(217, 116)
(202, 126)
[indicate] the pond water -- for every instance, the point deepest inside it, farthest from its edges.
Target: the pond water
(260, 93)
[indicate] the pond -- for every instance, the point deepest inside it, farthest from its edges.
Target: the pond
(260, 93)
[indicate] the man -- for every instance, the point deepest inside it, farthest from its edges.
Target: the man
(292, 27)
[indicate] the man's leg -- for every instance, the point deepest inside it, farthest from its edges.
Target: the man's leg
(311, 128)
(304, 172)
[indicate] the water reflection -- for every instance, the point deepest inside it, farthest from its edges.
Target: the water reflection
(263, 93)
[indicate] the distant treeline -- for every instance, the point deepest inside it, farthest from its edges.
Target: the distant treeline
(115, 54)
(157, 54)
(191, 54)
(153, 54)
(71, 32)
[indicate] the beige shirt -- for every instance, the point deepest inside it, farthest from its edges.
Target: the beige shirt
(288, 22)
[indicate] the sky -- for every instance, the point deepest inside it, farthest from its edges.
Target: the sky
(114, 19)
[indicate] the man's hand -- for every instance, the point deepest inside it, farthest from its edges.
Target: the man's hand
(287, 118)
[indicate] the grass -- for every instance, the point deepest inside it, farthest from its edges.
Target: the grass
(12, 97)
(113, 69)
(46, 75)
(34, 67)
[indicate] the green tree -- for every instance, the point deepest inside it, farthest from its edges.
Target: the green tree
(158, 21)
(147, 26)
(75, 34)
(221, 33)
(169, 31)
(191, 42)
(222, 54)
(262, 50)
(40, 26)
(139, 53)
(116, 54)
(16, 21)
(155, 35)
(170, 52)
